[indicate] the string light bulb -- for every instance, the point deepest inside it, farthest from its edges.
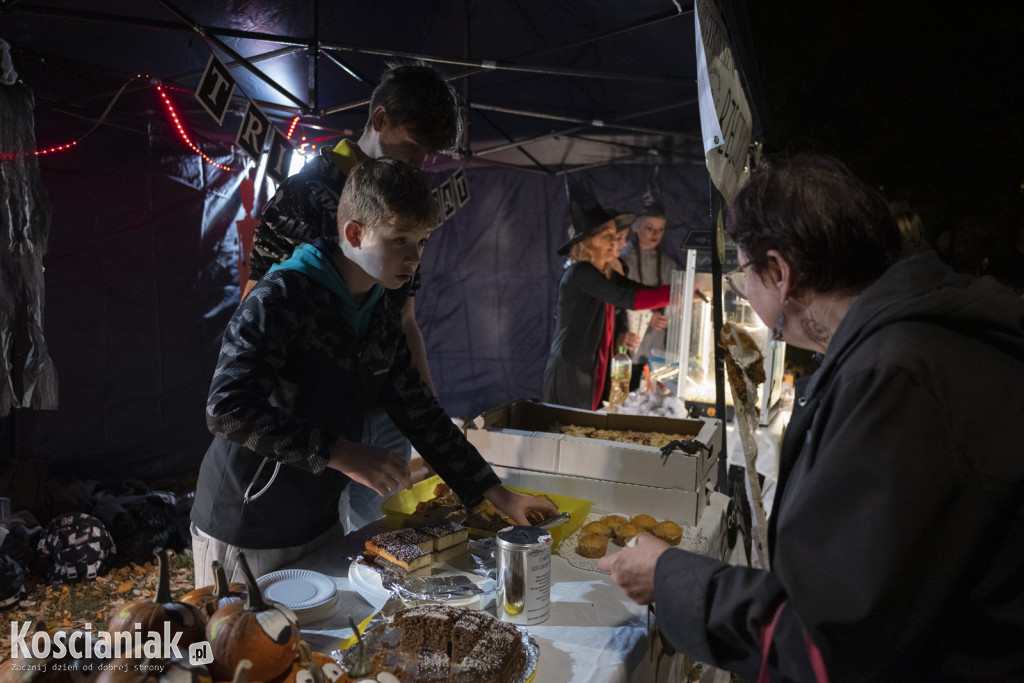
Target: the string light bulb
(291, 128)
(183, 134)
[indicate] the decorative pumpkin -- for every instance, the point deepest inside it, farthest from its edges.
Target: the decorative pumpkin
(310, 667)
(363, 670)
(242, 672)
(161, 612)
(155, 670)
(211, 598)
(260, 630)
(329, 665)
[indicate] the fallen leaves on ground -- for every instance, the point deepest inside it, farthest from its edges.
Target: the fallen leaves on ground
(88, 605)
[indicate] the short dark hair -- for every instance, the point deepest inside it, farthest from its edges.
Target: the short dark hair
(386, 191)
(417, 97)
(837, 232)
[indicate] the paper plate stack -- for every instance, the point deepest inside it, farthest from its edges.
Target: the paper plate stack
(311, 595)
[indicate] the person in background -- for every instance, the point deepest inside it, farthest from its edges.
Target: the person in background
(896, 542)
(588, 295)
(647, 264)
(414, 113)
(314, 346)
(622, 223)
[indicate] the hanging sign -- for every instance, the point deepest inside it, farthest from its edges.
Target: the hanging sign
(447, 194)
(437, 201)
(279, 158)
(215, 89)
(461, 187)
(254, 131)
(725, 119)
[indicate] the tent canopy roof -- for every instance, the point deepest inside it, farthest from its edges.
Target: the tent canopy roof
(548, 86)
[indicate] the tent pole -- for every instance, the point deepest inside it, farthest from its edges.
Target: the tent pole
(596, 123)
(643, 23)
(491, 65)
(577, 129)
(234, 55)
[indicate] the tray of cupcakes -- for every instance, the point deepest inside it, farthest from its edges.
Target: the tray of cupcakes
(604, 534)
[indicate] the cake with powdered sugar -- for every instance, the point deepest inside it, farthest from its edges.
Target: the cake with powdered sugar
(440, 643)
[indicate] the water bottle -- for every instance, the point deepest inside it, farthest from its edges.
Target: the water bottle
(621, 371)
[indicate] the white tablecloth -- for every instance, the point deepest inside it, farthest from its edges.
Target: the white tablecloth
(594, 634)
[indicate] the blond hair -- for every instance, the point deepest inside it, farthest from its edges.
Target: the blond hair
(385, 191)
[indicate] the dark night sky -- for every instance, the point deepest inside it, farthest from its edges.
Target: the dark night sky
(922, 99)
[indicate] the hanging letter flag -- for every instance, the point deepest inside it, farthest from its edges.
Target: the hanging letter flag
(253, 133)
(279, 158)
(447, 195)
(215, 89)
(461, 187)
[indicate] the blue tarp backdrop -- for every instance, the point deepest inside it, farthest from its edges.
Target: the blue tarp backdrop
(141, 278)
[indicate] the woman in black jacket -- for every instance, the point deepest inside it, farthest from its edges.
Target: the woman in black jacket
(897, 536)
(588, 295)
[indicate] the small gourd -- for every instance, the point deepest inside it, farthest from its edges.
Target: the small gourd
(265, 632)
(162, 614)
(209, 599)
(153, 670)
(310, 667)
(362, 668)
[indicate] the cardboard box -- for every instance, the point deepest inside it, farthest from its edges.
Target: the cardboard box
(525, 434)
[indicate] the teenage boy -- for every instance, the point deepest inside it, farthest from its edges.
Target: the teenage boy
(314, 346)
(414, 113)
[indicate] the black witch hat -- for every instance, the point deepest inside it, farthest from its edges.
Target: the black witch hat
(651, 204)
(587, 214)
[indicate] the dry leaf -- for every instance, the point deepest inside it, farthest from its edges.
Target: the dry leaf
(124, 587)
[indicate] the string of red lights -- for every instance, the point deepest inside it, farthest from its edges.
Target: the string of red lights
(182, 133)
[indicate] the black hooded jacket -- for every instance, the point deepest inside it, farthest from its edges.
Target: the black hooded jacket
(897, 537)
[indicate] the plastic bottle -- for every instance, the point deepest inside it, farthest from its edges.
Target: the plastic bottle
(621, 371)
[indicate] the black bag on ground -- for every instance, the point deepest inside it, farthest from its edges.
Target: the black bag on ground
(140, 520)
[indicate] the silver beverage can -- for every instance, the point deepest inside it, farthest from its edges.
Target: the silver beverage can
(524, 574)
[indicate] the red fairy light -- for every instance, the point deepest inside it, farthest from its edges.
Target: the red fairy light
(183, 134)
(291, 128)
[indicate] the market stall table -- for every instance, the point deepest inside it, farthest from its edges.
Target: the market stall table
(595, 634)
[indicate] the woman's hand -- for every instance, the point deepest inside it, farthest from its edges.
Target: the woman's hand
(524, 508)
(628, 339)
(633, 567)
(382, 470)
(659, 321)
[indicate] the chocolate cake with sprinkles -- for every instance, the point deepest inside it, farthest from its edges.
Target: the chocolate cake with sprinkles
(441, 643)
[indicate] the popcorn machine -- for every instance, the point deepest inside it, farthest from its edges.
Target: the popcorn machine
(691, 336)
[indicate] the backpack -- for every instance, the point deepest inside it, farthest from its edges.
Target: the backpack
(12, 582)
(139, 520)
(74, 547)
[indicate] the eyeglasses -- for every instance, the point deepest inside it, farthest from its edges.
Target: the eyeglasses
(737, 280)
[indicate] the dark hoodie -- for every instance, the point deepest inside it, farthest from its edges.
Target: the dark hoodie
(898, 531)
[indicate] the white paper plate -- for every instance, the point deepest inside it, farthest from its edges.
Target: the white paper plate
(298, 589)
(366, 582)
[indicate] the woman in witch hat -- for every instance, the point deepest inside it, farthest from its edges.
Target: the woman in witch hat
(588, 295)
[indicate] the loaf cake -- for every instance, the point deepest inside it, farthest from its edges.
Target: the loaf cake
(440, 643)
(413, 550)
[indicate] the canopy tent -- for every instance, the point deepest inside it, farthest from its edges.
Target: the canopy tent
(146, 234)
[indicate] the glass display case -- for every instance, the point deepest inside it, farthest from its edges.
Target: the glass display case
(691, 335)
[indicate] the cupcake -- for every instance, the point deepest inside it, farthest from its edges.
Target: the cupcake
(645, 522)
(670, 532)
(592, 545)
(625, 532)
(599, 528)
(613, 521)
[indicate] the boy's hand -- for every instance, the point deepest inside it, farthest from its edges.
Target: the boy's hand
(380, 469)
(522, 507)
(633, 567)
